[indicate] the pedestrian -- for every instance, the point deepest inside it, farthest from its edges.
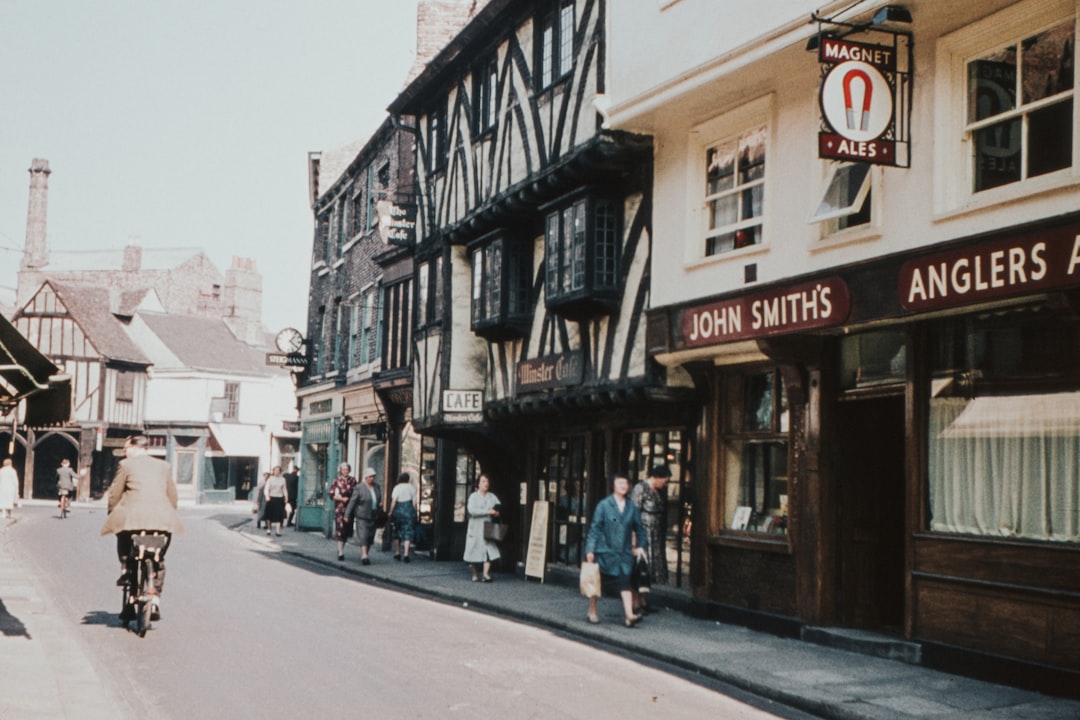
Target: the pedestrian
(341, 491)
(403, 515)
(648, 496)
(9, 487)
(292, 487)
(482, 507)
(67, 483)
(277, 497)
(142, 496)
(258, 502)
(616, 535)
(363, 506)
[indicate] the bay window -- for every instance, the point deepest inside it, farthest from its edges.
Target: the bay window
(501, 281)
(581, 255)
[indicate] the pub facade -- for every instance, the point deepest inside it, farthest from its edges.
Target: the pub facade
(882, 328)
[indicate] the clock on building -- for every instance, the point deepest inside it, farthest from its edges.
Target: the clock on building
(289, 340)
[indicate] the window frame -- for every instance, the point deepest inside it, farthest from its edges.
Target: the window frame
(231, 394)
(428, 291)
(588, 261)
(954, 174)
(554, 60)
(829, 223)
(486, 96)
(711, 133)
(500, 306)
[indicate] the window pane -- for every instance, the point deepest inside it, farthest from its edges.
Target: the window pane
(493, 281)
(1050, 132)
(723, 211)
(1048, 63)
(764, 485)
(578, 242)
(551, 252)
(566, 38)
(752, 155)
(844, 189)
(547, 55)
(997, 154)
(752, 201)
(992, 84)
(758, 405)
(477, 285)
(720, 168)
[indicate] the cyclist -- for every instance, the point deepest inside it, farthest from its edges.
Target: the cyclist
(142, 497)
(66, 480)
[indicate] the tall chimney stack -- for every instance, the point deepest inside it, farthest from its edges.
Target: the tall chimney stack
(35, 254)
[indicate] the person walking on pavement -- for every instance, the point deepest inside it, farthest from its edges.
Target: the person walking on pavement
(67, 483)
(292, 487)
(277, 497)
(9, 487)
(363, 506)
(648, 496)
(341, 491)
(616, 535)
(403, 515)
(142, 496)
(482, 507)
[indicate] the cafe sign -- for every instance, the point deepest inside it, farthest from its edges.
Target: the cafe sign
(550, 371)
(795, 308)
(1024, 263)
(864, 101)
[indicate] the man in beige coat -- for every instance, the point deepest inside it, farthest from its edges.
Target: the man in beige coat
(141, 497)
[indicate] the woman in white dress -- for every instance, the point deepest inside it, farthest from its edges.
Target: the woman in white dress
(481, 507)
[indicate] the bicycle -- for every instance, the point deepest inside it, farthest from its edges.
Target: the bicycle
(65, 503)
(140, 594)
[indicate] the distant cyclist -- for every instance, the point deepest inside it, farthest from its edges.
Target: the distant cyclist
(141, 497)
(66, 484)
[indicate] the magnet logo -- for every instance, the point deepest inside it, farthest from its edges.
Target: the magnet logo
(856, 100)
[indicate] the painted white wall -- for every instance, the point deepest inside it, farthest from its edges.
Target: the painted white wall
(917, 207)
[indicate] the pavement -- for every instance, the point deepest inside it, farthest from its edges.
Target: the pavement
(816, 679)
(35, 651)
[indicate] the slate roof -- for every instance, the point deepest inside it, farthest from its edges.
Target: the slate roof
(206, 344)
(91, 308)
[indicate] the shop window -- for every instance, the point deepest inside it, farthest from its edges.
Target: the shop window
(555, 43)
(1003, 433)
(567, 475)
(501, 279)
(1010, 97)
(581, 256)
(848, 198)
(756, 454)
(734, 192)
(872, 359)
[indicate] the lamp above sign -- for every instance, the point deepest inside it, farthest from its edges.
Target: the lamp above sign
(865, 101)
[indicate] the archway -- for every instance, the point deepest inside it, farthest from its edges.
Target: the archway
(49, 450)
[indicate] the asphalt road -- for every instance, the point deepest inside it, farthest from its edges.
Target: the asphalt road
(248, 632)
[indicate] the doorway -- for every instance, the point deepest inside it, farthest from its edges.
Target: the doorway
(870, 517)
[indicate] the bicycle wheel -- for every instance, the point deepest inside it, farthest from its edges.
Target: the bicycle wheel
(63, 509)
(146, 578)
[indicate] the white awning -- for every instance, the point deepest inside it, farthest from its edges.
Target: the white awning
(1052, 414)
(241, 440)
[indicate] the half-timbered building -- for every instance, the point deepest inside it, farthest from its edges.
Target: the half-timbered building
(532, 279)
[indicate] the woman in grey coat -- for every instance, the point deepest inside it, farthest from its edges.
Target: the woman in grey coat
(481, 507)
(365, 501)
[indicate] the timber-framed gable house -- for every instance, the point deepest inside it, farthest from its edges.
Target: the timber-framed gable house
(532, 256)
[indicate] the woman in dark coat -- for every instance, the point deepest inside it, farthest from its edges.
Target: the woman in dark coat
(616, 535)
(341, 491)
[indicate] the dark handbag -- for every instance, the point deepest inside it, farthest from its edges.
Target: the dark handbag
(494, 531)
(639, 576)
(380, 518)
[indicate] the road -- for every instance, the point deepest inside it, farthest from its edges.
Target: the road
(249, 632)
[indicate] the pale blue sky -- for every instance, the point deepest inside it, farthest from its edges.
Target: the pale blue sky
(187, 124)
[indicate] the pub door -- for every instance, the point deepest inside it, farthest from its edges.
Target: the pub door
(870, 449)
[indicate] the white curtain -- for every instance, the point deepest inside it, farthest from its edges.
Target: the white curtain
(1006, 466)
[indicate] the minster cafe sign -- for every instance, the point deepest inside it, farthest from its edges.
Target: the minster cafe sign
(795, 308)
(1023, 263)
(865, 104)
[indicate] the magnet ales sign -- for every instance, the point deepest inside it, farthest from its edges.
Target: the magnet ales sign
(858, 102)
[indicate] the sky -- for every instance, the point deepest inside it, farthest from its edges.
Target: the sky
(188, 124)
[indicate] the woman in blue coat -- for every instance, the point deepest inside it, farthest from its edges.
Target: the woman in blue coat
(616, 535)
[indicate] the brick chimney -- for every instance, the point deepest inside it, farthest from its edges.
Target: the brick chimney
(35, 254)
(132, 258)
(242, 301)
(437, 22)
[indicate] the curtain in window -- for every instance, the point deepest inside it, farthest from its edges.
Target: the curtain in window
(1006, 466)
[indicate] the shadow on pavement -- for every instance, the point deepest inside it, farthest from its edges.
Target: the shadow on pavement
(10, 625)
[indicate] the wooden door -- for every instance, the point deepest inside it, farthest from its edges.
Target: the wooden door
(870, 447)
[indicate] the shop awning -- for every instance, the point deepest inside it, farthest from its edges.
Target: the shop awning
(240, 440)
(26, 374)
(1053, 414)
